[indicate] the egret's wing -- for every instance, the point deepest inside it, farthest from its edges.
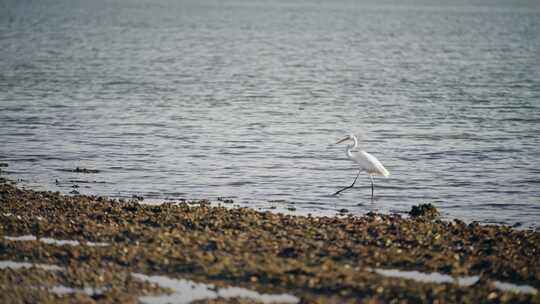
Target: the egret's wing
(369, 163)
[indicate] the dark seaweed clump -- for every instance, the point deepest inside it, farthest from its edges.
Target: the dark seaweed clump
(427, 211)
(85, 170)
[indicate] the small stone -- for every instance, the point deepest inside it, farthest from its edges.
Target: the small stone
(492, 296)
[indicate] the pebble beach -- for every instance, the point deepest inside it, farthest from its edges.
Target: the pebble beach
(92, 249)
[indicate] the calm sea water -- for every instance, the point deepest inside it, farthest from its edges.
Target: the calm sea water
(244, 100)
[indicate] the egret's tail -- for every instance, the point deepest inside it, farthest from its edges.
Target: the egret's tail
(385, 172)
(381, 170)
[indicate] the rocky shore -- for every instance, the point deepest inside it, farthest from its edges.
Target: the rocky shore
(86, 249)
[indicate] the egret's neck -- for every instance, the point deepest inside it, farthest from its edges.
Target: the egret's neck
(355, 144)
(351, 146)
(348, 150)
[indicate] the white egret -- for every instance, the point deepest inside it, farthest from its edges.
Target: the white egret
(366, 161)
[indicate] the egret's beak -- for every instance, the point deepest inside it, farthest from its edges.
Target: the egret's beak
(342, 140)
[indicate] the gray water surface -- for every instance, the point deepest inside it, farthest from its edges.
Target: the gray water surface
(244, 100)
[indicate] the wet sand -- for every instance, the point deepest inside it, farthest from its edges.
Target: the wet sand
(342, 259)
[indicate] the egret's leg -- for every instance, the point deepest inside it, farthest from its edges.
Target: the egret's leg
(348, 187)
(372, 186)
(359, 171)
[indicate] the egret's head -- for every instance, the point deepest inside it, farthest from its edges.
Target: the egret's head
(346, 138)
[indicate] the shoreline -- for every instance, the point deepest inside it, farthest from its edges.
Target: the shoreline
(77, 186)
(315, 259)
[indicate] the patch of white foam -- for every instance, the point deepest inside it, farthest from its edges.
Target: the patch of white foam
(515, 288)
(186, 291)
(238, 292)
(51, 241)
(435, 277)
(61, 290)
(19, 265)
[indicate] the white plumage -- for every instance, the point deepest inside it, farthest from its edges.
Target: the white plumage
(367, 162)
